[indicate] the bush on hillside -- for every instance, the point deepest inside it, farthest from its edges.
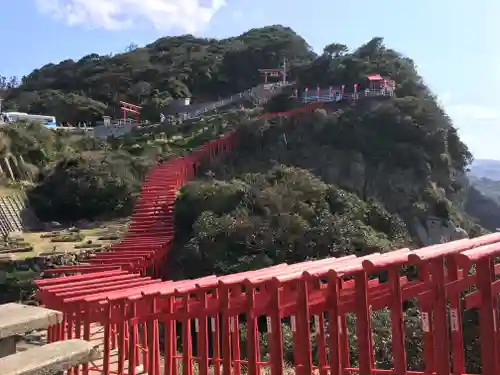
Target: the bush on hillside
(83, 189)
(35, 143)
(284, 215)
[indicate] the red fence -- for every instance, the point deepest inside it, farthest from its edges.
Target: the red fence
(206, 321)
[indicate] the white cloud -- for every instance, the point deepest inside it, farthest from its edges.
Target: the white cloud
(189, 15)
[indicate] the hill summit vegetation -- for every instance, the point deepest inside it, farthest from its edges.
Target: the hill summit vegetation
(169, 68)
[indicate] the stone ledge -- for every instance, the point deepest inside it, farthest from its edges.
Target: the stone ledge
(16, 319)
(49, 359)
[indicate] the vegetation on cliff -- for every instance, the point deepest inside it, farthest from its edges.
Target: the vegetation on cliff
(283, 215)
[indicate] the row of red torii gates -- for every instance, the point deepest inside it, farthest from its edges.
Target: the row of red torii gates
(320, 292)
(200, 320)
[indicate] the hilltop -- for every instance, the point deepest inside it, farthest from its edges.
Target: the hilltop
(152, 75)
(483, 201)
(487, 186)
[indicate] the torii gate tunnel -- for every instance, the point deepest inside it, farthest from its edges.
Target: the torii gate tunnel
(312, 298)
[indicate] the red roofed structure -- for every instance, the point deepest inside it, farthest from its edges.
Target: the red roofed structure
(375, 77)
(377, 82)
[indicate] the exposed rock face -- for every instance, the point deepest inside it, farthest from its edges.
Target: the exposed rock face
(436, 230)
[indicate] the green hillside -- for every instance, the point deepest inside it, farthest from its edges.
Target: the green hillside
(170, 67)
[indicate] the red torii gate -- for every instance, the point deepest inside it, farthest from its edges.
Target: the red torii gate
(278, 73)
(133, 109)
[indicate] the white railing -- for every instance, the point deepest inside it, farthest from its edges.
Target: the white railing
(259, 95)
(337, 97)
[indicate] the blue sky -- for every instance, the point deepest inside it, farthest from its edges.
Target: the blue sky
(453, 42)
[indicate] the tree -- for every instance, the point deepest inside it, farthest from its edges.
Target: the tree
(8, 83)
(335, 49)
(79, 188)
(140, 91)
(371, 48)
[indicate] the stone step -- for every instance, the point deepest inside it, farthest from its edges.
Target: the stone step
(50, 358)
